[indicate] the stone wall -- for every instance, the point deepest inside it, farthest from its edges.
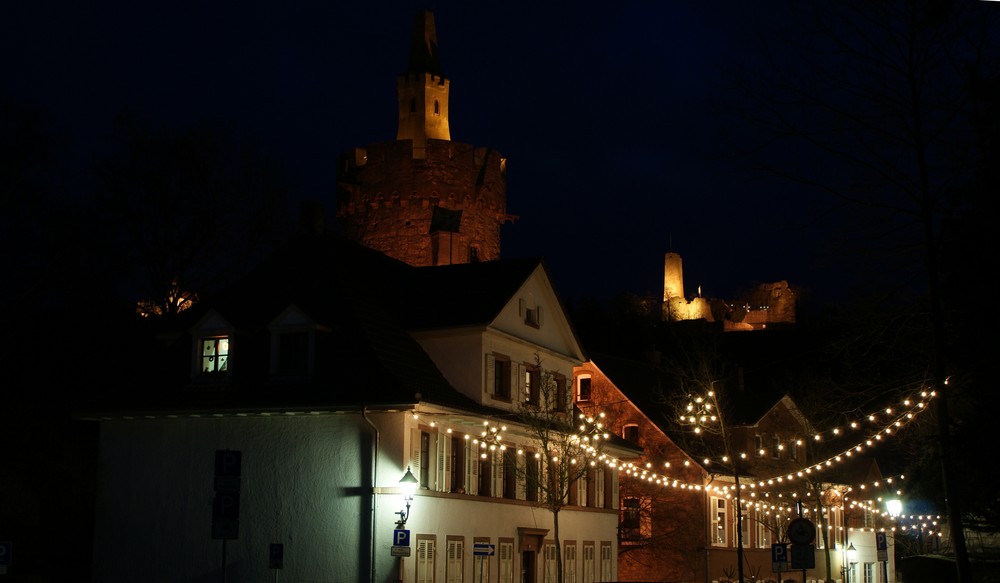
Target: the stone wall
(386, 200)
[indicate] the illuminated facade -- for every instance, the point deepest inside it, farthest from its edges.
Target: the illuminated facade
(423, 198)
(768, 304)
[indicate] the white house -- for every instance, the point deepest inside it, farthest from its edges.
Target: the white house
(276, 423)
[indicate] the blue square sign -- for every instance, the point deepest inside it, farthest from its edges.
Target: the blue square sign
(400, 538)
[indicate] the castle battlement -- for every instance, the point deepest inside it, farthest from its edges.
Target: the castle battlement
(421, 80)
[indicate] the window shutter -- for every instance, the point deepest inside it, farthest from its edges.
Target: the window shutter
(538, 315)
(599, 490)
(517, 383)
(521, 476)
(471, 469)
(442, 473)
(415, 460)
(490, 374)
(496, 476)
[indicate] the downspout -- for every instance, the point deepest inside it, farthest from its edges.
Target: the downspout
(364, 415)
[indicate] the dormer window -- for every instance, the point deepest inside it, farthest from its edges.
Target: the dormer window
(211, 348)
(215, 355)
(293, 353)
(293, 338)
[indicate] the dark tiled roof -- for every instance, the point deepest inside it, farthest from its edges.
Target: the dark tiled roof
(367, 356)
(469, 294)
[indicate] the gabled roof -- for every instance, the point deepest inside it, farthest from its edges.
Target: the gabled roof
(641, 383)
(469, 294)
(357, 297)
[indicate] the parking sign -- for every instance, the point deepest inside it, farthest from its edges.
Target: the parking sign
(779, 557)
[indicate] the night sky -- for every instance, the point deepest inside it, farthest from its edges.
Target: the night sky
(614, 117)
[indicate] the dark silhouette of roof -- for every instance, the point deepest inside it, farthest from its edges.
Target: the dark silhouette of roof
(364, 301)
(468, 294)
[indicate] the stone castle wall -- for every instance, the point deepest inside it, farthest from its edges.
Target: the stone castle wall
(386, 200)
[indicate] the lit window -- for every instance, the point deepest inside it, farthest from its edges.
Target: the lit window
(531, 387)
(718, 521)
(583, 388)
(215, 354)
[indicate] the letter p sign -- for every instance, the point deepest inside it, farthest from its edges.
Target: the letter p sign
(400, 538)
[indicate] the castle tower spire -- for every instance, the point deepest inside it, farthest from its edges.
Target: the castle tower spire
(423, 198)
(423, 91)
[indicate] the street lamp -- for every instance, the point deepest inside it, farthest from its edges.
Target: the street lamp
(852, 559)
(408, 485)
(894, 507)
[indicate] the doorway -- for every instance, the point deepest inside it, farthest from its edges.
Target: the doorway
(528, 567)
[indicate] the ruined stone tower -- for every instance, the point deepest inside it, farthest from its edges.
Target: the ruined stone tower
(423, 198)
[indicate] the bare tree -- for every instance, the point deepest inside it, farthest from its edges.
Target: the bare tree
(884, 103)
(567, 447)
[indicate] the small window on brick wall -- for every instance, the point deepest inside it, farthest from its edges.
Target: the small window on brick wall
(583, 388)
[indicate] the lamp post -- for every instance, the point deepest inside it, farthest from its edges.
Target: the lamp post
(408, 487)
(894, 507)
(852, 559)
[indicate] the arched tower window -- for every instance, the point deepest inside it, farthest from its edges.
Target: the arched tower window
(437, 107)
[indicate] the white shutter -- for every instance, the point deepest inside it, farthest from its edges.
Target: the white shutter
(538, 315)
(506, 568)
(425, 561)
(454, 567)
(415, 460)
(443, 461)
(471, 468)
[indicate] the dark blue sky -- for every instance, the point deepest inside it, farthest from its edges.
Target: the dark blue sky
(611, 115)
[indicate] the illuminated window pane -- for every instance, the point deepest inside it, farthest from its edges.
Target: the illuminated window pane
(214, 354)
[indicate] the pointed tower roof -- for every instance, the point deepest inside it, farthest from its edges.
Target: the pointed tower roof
(424, 45)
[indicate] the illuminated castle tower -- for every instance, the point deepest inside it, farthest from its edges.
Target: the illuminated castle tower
(423, 198)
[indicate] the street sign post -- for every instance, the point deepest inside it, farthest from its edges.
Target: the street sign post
(779, 557)
(881, 546)
(882, 550)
